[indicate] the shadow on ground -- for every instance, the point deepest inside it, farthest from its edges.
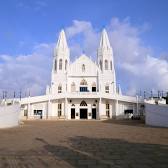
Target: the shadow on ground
(93, 152)
(129, 122)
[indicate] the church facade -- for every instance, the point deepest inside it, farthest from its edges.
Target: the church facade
(83, 89)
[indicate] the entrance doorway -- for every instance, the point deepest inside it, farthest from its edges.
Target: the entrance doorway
(72, 113)
(93, 113)
(38, 114)
(83, 113)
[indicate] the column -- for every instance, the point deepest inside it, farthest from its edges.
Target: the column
(77, 111)
(110, 104)
(55, 110)
(89, 111)
(44, 111)
(134, 110)
(66, 108)
(116, 108)
(63, 110)
(29, 115)
(48, 109)
(137, 106)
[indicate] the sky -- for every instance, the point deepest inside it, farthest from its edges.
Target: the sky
(137, 31)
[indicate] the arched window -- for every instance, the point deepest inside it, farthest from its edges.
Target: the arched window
(107, 88)
(66, 63)
(83, 67)
(100, 64)
(111, 65)
(106, 65)
(60, 64)
(60, 88)
(73, 87)
(55, 65)
(83, 82)
(83, 103)
(83, 86)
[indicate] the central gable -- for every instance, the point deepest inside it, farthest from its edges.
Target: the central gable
(83, 66)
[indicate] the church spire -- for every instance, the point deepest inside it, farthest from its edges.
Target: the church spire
(104, 40)
(61, 54)
(62, 43)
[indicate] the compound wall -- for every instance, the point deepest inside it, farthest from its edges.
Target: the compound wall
(9, 115)
(156, 115)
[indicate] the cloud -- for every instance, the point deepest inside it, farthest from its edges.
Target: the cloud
(136, 64)
(35, 5)
(26, 72)
(83, 37)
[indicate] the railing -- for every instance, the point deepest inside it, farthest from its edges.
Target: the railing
(84, 93)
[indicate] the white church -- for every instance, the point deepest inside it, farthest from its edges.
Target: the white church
(82, 89)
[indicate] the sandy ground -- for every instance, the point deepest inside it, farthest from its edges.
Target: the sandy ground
(84, 144)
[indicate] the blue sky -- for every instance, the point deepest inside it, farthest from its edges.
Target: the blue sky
(37, 21)
(26, 24)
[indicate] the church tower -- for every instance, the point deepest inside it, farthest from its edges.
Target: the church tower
(61, 55)
(106, 62)
(60, 66)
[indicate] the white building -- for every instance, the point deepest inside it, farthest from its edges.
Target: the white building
(82, 89)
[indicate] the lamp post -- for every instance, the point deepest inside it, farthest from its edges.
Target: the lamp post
(5, 95)
(158, 94)
(151, 94)
(144, 95)
(137, 99)
(20, 95)
(140, 94)
(14, 94)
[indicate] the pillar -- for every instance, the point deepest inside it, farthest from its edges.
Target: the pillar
(116, 108)
(77, 111)
(45, 111)
(66, 108)
(89, 111)
(49, 112)
(110, 104)
(29, 115)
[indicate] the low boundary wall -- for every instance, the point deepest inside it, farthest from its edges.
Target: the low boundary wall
(9, 115)
(156, 115)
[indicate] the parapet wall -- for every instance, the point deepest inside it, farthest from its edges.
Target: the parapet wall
(156, 115)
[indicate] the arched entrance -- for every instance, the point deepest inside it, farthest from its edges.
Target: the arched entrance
(94, 111)
(73, 111)
(83, 110)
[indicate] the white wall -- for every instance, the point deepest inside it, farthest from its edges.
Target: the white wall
(156, 115)
(9, 115)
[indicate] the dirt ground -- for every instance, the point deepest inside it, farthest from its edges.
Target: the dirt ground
(112, 143)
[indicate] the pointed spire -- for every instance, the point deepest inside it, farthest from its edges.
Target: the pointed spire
(62, 43)
(104, 41)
